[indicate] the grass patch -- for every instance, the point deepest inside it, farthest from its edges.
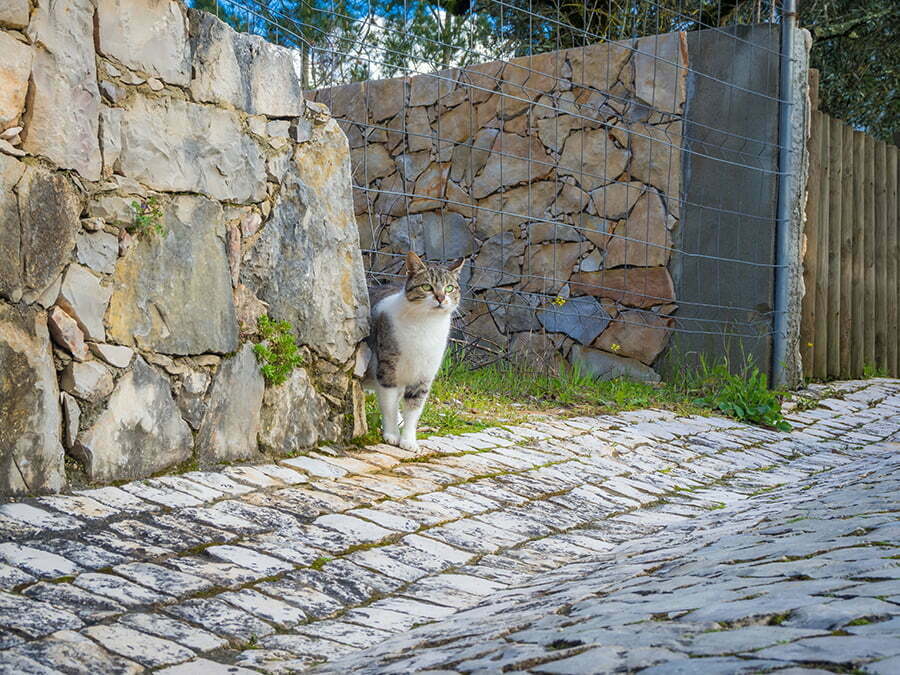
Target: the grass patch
(319, 563)
(465, 398)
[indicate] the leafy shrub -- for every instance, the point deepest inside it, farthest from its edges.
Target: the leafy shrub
(277, 353)
(147, 218)
(745, 396)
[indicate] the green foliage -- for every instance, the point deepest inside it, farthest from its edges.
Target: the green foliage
(465, 398)
(277, 353)
(147, 218)
(744, 395)
(870, 370)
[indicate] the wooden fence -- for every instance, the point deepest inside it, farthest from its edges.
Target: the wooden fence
(849, 317)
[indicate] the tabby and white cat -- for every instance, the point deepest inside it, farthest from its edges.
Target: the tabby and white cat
(410, 325)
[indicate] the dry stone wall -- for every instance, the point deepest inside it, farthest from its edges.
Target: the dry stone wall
(129, 352)
(558, 175)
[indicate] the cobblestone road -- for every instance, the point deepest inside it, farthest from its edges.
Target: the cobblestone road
(641, 541)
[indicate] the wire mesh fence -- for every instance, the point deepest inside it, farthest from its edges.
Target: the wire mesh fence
(608, 169)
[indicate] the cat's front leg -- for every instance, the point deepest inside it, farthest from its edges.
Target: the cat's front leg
(413, 402)
(389, 403)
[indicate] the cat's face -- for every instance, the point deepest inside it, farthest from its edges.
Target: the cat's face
(432, 287)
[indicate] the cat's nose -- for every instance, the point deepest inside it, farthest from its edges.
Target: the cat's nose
(440, 298)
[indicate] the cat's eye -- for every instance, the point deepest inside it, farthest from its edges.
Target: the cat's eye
(449, 289)
(426, 287)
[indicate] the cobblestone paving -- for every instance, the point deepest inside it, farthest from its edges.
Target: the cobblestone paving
(642, 541)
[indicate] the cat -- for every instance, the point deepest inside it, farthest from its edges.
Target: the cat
(410, 325)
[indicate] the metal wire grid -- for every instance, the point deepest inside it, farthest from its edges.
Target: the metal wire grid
(743, 151)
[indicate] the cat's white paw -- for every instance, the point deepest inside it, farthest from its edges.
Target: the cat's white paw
(391, 439)
(409, 444)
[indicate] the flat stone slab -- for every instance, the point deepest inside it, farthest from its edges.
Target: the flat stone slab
(644, 541)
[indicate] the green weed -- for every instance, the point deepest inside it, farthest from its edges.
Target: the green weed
(744, 395)
(147, 218)
(277, 353)
(870, 370)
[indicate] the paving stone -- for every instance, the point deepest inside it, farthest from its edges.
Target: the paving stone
(264, 565)
(441, 551)
(127, 548)
(344, 591)
(36, 562)
(265, 607)
(850, 649)
(79, 505)
(385, 519)
(359, 530)
(221, 618)
(118, 499)
(284, 547)
(145, 649)
(749, 638)
(124, 592)
(179, 522)
(156, 576)
(177, 631)
(347, 463)
(219, 573)
(345, 633)
(285, 475)
(223, 520)
(311, 601)
(10, 577)
(70, 652)
(161, 494)
(206, 667)
(251, 476)
(315, 467)
(838, 613)
(306, 644)
(197, 490)
(219, 482)
(378, 560)
(45, 520)
(139, 531)
(87, 606)
(887, 666)
(34, 618)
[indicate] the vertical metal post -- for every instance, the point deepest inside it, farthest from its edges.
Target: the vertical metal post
(784, 263)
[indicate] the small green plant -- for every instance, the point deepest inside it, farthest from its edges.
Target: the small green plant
(147, 218)
(745, 396)
(870, 370)
(319, 563)
(277, 353)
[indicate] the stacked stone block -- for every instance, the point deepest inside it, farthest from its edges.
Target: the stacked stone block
(130, 351)
(558, 175)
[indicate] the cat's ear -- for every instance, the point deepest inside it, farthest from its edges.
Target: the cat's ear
(414, 264)
(456, 266)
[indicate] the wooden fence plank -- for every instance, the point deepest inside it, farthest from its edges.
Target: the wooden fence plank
(821, 328)
(893, 266)
(835, 244)
(847, 217)
(869, 235)
(811, 256)
(880, 215)
(858, 275)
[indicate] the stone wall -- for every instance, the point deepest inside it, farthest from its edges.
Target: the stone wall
(558, 175)
(129, 352)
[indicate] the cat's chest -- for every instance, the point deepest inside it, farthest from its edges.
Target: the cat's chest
(421, 347)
